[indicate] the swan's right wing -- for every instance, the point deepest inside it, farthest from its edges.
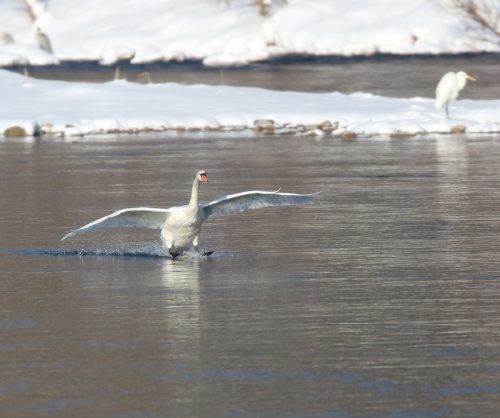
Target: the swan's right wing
(240, 202)
(126, 218)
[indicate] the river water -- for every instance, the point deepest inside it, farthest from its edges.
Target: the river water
(393, 76)
(383, 300)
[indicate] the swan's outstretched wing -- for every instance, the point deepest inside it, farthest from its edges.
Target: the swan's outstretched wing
(126, 218)
(240, 202)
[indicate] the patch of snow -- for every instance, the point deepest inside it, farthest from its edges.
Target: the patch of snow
(15, 21)
(220, 32)
(68, 108)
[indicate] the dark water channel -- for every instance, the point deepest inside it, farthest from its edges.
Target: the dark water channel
(395, 76)
(381, 301)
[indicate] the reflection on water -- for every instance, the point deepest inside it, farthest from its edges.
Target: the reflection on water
(380, 301)
(182, 323)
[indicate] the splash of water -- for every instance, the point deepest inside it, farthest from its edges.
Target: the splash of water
(143, 251)
(152, 250)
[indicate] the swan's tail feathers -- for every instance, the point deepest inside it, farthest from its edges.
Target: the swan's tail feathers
(240, 202)
(125, 218)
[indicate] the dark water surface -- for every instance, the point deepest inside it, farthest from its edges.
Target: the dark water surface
(395, 76)
(381, 301)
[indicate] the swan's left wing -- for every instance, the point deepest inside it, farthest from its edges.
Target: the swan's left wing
(240, 202)
(126, 218)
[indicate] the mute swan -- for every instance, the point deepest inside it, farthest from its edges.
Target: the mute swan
(448, 88)
(180, 225)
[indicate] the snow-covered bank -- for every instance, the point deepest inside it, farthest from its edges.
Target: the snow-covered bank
(17, 31)
(68, 109)
(226, 32)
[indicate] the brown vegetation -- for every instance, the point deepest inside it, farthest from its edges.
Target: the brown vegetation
(30, 11)
(264, 5)
(482, 16)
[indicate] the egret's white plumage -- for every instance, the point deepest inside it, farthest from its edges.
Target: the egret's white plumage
(448, 88)
(180, 225)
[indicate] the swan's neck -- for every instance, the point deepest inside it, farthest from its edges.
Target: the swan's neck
(193, 202)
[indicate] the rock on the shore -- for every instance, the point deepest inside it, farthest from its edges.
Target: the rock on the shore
(264, 125)
(15, 132)
(458, 129)
(348, 135)
(402, 134)
(22, 130)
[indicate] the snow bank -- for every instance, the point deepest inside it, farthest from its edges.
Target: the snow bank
(360, 27)
(63, 108)
(17, 45)
(229, 32)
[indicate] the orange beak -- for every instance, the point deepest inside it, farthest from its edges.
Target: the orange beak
(204, 178)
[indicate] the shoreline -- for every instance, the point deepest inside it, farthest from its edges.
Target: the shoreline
(281, 59)
(326, 130)
(33, 107)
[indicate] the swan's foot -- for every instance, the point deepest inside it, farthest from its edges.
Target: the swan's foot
(204, 254)
(174, 253)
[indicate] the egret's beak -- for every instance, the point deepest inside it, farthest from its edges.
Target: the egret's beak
(469, 77)
(204, 178)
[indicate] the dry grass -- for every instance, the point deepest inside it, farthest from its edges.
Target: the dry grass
(264, 5)
(30, 11)
(145, 77)
(482, 16)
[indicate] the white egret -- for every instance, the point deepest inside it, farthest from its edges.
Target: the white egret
(448, 88)
(180, 225)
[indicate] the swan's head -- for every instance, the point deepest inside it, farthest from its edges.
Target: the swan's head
(202, 176)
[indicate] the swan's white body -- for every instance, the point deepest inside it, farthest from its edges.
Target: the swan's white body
(181, 225)
(449, 87)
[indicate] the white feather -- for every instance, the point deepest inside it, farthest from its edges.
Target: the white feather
(240, 202)
(449, 87)
(180, 225)
(126, 218)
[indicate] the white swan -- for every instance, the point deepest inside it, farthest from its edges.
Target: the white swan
(448, 88)
(180, 225)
